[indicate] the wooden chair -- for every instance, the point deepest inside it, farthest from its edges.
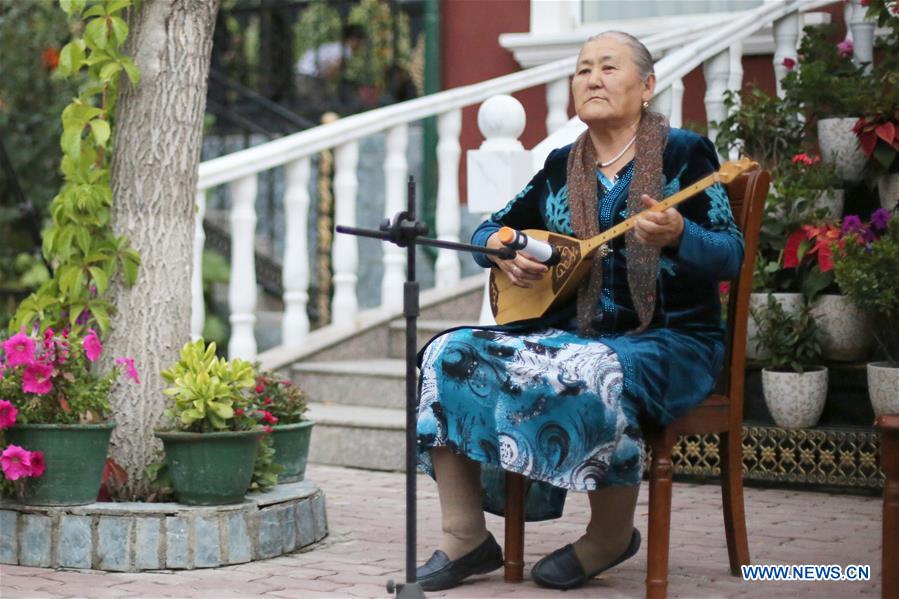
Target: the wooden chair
(719, 413)
(889, 462)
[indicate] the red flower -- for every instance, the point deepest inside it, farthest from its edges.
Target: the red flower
(260, 387)
(266, 401)
(789, 63)
(810, 240)
(267, 429)
(50, 58)
(239, 412)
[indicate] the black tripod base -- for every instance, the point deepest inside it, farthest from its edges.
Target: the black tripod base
(408, 590)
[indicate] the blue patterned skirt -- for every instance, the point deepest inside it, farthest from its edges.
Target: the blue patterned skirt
(547, 404)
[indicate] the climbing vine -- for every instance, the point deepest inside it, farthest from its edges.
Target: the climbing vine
(79, 243)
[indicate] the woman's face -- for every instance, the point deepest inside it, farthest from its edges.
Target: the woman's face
(606, 87)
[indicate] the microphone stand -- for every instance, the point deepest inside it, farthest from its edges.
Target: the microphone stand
(407, 232)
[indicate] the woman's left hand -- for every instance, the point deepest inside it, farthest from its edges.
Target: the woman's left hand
(659, 229)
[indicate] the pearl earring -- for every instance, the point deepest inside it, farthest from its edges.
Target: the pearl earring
(645, 105)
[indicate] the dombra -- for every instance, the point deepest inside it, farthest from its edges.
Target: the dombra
(511, 303)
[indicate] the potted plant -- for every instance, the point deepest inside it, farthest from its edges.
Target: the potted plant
(56, 414)
(282, 405)
(793, 382)
(834, 92)
(878, 129)
(810, 188)
(845, 329)
(762, 126)
(867, 270)
(210, 455)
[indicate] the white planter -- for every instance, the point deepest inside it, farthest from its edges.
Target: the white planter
(791, 302)
(795, 400)
(888, 189)
(847, 331)
(883, 388)
(832, 200)
(839, 147)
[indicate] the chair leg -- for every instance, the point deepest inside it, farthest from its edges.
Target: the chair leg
(659, 516)
(514, 543)
(732, 500)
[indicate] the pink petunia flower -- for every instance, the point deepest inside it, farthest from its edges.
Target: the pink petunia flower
(8, 414)
(92, 346)
(15, 462)
(130, 370)
(36, 379)
(19, 349)
(789, 63)
(38, 466)
(845, 48)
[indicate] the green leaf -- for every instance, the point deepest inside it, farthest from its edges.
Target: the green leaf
(110, 71)
(115, 6)
(119, 29)
(131, 70)
(100, 129)
(70, 59)
(70, 142)
(98, 10)
(100, 278)
(95, 34)
(72, 7)
(101, 315)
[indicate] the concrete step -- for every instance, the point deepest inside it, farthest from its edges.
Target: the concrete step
(358, 436)
(375, 383)
(396, 341)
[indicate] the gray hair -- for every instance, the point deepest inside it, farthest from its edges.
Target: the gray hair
(641, 56)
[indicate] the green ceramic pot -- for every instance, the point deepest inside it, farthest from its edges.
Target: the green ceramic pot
(74, 454)
(291, 442)
(211, 468)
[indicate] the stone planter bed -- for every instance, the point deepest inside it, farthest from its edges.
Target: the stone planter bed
(130, 537)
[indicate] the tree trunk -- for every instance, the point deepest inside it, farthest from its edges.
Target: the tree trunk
(158, 132)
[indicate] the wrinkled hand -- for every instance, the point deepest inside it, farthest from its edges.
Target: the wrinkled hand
(520, 270)
(659, 229)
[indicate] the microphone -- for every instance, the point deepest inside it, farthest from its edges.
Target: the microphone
(541, 251)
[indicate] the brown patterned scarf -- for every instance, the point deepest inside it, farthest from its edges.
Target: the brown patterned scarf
(642, 260)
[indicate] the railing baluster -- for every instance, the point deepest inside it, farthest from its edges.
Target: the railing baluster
(449, 124)
(735, 84)
(197, 305)
(676, 117)
(786, 37)
(395, 171)
(242, 287)
(862, 34)
(556, 105)
(295, 274)
(716, 77)
(345, 251)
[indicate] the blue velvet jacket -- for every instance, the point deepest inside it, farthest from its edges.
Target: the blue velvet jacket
(672, 365)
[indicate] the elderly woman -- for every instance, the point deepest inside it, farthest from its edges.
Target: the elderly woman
(560, 400)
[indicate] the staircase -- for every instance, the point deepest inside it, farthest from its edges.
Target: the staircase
(358, 387)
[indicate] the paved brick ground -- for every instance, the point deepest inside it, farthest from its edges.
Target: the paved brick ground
(365, 548)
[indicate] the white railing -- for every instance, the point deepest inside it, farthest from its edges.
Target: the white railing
(718, 52)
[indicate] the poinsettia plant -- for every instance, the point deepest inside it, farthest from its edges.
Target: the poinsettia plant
(878, 136)
(809, 250)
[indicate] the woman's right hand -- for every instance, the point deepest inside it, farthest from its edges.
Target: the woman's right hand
(522, 269)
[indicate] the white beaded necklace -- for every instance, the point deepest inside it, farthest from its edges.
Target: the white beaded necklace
(619, 155)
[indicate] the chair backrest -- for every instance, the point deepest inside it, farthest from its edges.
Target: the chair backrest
(747, 200)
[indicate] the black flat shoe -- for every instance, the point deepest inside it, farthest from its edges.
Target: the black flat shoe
(440, 572)
(562, 570)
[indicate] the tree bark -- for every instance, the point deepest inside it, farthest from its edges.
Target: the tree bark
(158, 132)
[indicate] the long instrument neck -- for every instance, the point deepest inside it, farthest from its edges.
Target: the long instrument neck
(591, 245)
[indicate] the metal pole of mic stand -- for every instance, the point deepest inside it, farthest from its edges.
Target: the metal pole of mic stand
(405, 231)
